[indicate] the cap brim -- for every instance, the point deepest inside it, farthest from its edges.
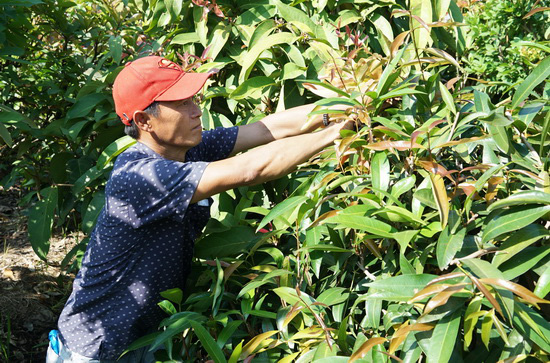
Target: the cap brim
(187, 86)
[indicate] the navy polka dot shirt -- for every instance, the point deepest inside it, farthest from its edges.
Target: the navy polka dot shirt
(142, 244)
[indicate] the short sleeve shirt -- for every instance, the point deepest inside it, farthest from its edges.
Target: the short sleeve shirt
(142, 244)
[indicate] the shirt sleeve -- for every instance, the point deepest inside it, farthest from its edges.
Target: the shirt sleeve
(159, 188)
(216, 144)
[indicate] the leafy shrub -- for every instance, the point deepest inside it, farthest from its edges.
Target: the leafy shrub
(507, 39)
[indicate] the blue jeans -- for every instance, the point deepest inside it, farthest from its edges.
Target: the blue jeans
(141, 355)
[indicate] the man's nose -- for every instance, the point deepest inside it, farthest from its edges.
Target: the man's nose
(196, 112)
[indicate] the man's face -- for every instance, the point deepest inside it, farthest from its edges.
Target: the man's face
(178, 124)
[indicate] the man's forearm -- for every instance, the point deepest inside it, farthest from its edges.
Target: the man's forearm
(280, 157)
(290, 122)
(264, 163)
(278, 126)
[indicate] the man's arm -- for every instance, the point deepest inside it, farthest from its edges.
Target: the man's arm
(264, 163)
(278, 126)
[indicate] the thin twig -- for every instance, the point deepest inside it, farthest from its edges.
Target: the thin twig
(366, 272)
(475, 254)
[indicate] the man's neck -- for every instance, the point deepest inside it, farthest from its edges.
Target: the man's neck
(166, 151)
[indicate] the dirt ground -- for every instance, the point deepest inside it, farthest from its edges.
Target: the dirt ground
(32, 292)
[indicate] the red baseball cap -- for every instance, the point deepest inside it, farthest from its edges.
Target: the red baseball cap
(151, 79)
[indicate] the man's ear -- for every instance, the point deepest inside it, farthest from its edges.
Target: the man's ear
(143, 121)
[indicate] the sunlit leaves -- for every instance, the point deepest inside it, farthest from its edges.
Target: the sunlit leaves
(540, 73)
(512, 219)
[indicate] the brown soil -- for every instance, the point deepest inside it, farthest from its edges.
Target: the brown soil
(33, 292)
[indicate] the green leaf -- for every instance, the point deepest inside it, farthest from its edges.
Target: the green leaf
(251, 87)
(5, 135)
(92, 211)
(400, 93)
(366, 224)
(403, 186)
(113, 150)
(447, 98)
(334, 359)
(217, 39)
(482, 102)
(84, 105)
(471, 317)
(337, 101)
(323, 350)
(486, 326)
(440, 197)
(290, 296)
(497, 117)
(86, 179)
(405, 214)
(524, 261)
(300, 19)
(141, 342)
(440, 347)
(448, 245)
(175, 324)
(175, 295)
(325, 85)
(373, 310)
(422, 9)
(292, 70)
(544, 134)
(382, 25)
(167, 307)
(236, 353)
(208, 342)
(333, 296)
(250, 58)
(539, 74)
(254, 284)
(262, 30)
(380, 171)
(58, 166)
(500, 135)
(528, 112)
(543, 284)
(403, 287)
(226, 243)
(482, 269)
(522, 197)
(185, 38)
(532, 326)
(518, 241)
(325, 248)
(41, 221)
(263, 314)
(281, 208)
(227, 332)
(115, 47)
(512, 220)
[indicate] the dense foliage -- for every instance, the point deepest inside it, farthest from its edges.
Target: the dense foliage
(507, 39)
(423, 234)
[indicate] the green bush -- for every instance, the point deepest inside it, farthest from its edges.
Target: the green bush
(505, 41)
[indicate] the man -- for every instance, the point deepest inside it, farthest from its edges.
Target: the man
(157, 202)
